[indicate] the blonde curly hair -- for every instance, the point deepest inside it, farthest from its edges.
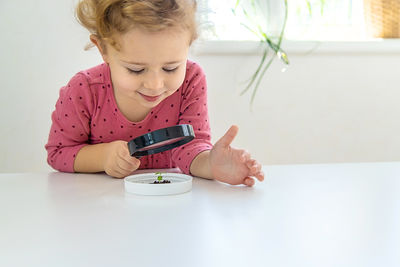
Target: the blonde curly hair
(104, 18)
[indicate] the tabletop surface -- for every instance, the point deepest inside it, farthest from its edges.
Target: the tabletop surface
(302, 215)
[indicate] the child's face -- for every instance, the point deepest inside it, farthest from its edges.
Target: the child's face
(149, 66)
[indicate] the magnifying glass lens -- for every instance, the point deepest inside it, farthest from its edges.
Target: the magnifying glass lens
(161, 140)
(162, 143)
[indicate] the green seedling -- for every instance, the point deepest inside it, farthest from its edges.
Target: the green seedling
(160, 179)
(159, 176)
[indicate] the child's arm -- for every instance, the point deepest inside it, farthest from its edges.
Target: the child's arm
(113, 158)
(227, 164)
(68, 145)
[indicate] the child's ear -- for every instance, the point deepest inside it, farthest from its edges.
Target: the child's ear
(100, 46)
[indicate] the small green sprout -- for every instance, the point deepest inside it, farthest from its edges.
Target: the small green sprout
(159, 177)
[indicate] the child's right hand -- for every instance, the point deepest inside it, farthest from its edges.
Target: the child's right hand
(118, 162)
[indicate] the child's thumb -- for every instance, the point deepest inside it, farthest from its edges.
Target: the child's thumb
(135, 162)
(228, 137)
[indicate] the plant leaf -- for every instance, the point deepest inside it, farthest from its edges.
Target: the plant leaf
(254, 76)
(309, 7)
(283, 56)
(237, 4)
(323, 2)
(259, 79)
(251, 30)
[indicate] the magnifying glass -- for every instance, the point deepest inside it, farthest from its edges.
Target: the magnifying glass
(161, 140)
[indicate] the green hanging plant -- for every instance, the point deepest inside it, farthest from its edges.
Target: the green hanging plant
(251, 10)
(267, 42)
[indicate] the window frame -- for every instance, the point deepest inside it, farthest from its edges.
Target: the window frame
(204, 46)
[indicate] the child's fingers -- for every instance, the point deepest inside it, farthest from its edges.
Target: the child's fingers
(128, 165)
(248, 181)
(124, 168)
(254, 166)
(255, 170)
(245, 157)
(260, 176)
(228, 137)
(116, 173)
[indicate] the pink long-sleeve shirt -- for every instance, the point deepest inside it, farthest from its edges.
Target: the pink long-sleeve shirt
(86, 113)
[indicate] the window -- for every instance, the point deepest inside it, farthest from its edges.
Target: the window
(322, 20)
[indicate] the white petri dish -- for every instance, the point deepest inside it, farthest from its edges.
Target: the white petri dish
(142, 184)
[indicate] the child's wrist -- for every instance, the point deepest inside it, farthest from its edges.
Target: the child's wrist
(201, 165)
(105, 151)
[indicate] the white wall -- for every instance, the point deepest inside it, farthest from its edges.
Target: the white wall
(324, 108)
(327, 107)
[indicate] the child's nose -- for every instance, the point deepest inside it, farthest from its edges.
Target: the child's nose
(154, 82)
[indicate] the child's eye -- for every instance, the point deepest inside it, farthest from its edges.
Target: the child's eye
(170, 70)
(135, 71)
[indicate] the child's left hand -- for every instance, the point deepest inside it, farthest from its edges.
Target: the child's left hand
(233, 166)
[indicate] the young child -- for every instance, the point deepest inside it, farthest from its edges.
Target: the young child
(145, 83)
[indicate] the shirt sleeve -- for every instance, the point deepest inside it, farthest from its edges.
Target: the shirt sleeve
(70, 129)
(193, 111)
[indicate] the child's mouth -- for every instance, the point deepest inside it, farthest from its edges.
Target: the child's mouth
(150, 98)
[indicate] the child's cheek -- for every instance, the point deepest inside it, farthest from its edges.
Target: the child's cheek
(127, 83)
(180, 78)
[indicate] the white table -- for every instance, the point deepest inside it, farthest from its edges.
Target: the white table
(302, 215)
